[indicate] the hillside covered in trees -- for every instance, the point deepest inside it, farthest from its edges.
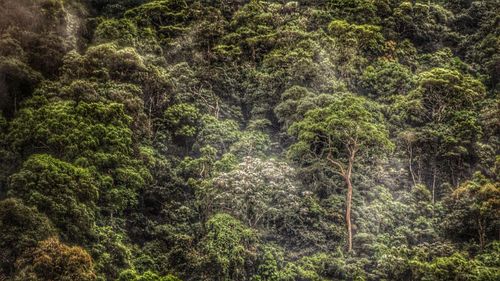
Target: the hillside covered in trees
(249, 140)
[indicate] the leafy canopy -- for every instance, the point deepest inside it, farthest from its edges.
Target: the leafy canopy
(347, 122)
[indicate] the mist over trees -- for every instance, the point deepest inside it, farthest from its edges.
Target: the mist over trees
(255, 140)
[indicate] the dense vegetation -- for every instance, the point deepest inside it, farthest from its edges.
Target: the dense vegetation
(167, 140)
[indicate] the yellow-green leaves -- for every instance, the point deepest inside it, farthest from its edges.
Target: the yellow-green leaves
(182, 119)
(67, 194)
(348, 120)
(228, 246)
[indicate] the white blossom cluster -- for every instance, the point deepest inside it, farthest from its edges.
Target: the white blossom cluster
(257, 191)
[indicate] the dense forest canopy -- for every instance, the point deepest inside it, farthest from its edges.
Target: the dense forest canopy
(168, 140)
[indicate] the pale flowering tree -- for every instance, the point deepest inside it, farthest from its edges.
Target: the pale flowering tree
(258, 192)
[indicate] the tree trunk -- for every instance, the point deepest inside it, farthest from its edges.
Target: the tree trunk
(410, 151)
(433, 182)
(346, 173)
(349, 196)
(481, 232)
(348, 213)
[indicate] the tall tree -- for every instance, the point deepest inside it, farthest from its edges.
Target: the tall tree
(474, 210)
(348, 130)
(443, 113)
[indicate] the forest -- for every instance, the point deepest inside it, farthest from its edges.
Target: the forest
(249, 140)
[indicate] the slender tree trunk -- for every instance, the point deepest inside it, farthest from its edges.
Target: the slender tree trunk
(433, 182)
(419, 169)
(410, 151)
(346, 173)
(348, 213)
(481, 232)
(349, 196)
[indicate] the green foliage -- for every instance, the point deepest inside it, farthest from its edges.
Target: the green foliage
(166, 16)
(71, 129)
(182, 119)
(95, 135)
(21, 228)
(366, 37)
(105, 62)
(322, 266)
(65, 193)
(357, 10)
(483, 52)
(157, 12)
(251, 143)
(454, 267)
(152, 133)
(111, 253)
(125, 33)
(425, 24)
(122, 93)
(384, 79)
(228, 247)
(219, 134)
(349, 120)
(132, 275)
(443, 111)
(18, 81)
(474, 210)
(442, 58)
(296, 101)
(271, 265)
(122, 31)
(353, 46)
(442, 91)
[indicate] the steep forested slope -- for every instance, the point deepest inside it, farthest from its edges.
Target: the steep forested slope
(249, 140)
